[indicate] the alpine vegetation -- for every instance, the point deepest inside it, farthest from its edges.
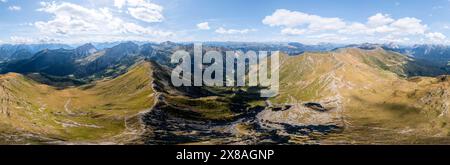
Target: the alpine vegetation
(210, 69)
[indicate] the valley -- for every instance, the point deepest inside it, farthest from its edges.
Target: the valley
(102, 112)
(123, 95)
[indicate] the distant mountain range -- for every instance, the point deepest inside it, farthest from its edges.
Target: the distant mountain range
(82, 61)
(122, 94)
(23, 51)
(436, 53)
(87, 62)
(439, 54)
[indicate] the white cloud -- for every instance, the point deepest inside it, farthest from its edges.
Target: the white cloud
(378, 28)
(409, 25)
(46, 39)
(287, 18)
(222, 30)
(379, 19)
(293, 31)
(328, 37)
(355, 28)
(3, 1)
(119, 3)
(146, 14)
(395, 39)
(142, 10)
(203, 26)
(14, 8)
(21, 40)
(74, 20)
(28, 40)
(436, 37)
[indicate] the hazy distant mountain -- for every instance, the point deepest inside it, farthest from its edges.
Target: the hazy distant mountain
(20, 54)
(82, 61)
(436, 53)
(291, 48)
(10, 52)
(87, 60)
(85, 50)
(59, 62)
(428, 56)
(105, 45)
(122, 54)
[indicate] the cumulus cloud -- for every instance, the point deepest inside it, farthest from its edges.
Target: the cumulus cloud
(21, 40)
(381, 25)
(409, 25)
(436, 37)
(203, 26)
(379, 19)
(74, 20)
(14, 8)
(28, 40)
(287, 18)
(142, 10)
(293, 31)
(328, 37)
(222, 30)
(119, 3)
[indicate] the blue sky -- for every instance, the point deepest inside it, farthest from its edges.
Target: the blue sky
(307, 21)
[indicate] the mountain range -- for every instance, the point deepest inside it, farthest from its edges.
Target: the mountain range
(122, 94)
(10, 52)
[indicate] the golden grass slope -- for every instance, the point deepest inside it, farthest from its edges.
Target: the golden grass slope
(105, 111)
(372, 88)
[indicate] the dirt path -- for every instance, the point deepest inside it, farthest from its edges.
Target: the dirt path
(66, 106)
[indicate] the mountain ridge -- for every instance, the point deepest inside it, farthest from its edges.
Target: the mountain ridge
(83, 114)
(325, 97)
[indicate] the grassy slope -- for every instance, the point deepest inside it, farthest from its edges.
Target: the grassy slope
(371, 86)
(207, 103)
(85, 114)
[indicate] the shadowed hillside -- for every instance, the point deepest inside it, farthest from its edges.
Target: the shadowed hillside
(105, 111)
(369, 90)
(349, 95)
